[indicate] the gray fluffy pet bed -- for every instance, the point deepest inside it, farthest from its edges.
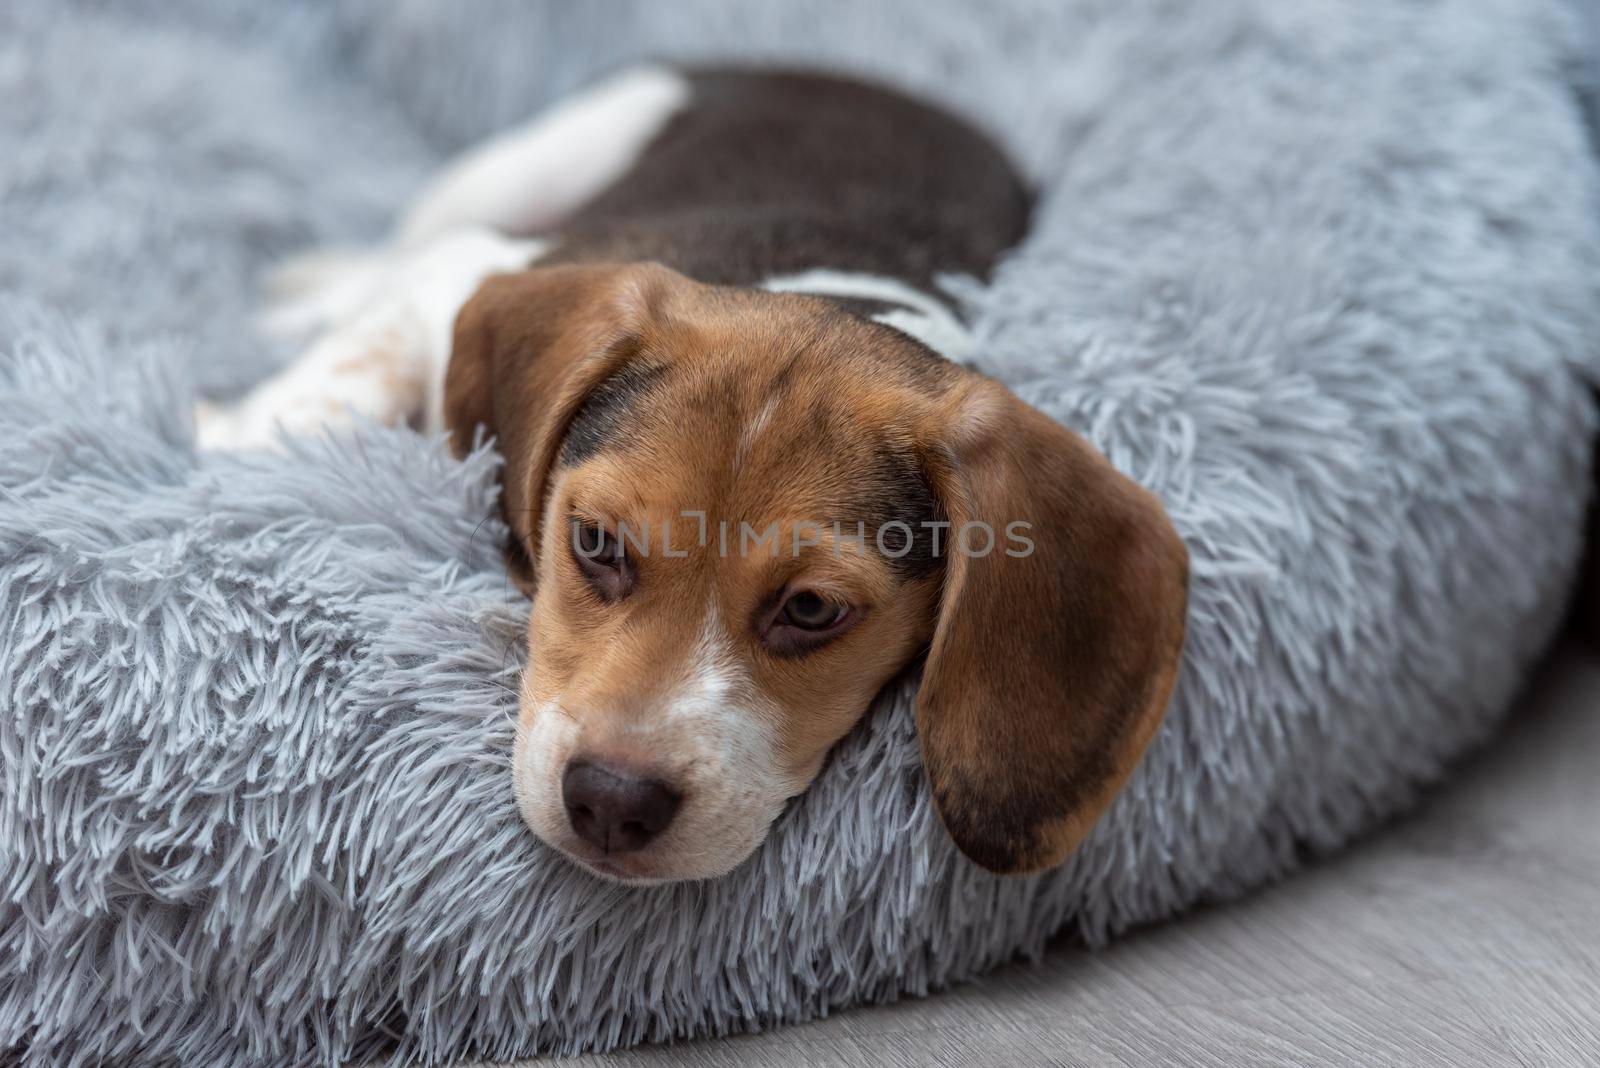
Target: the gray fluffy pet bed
(1325, 276)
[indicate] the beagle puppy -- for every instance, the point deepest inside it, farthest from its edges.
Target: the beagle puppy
(747, 476)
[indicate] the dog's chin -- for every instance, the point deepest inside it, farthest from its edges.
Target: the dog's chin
(625, 869)
(612, 872)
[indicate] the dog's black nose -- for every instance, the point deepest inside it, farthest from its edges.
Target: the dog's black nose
(613, 810)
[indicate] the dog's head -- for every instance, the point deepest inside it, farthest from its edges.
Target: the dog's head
(741, 514)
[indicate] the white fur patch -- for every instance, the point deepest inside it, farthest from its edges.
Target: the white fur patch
(525, 179)
(388, 360)
(924, 318)
(533, 176)
(711, 702)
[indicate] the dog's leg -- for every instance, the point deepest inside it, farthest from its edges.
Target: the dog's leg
(385, 314)
(523, 181)
(387, 362)
(531, 177)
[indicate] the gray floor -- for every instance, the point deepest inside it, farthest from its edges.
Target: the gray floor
(1467, 934)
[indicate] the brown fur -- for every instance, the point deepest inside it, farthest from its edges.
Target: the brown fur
(1049, 673)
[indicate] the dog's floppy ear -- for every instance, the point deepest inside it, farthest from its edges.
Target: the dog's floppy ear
(528, 349)
(1052, 662)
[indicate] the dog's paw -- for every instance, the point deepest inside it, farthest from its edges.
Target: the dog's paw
(224, 428)
(313, 291)
(213, 426)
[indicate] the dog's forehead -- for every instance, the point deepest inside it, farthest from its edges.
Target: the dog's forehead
(763, 408)
(758, 389)
(801, 439)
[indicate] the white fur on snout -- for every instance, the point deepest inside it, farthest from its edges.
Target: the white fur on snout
(730, 727)
(546, 740)
(711, 737)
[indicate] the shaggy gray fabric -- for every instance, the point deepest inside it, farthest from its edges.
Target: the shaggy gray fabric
(1324, 275)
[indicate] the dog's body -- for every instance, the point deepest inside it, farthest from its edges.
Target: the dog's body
(699, 307)
(728, 177)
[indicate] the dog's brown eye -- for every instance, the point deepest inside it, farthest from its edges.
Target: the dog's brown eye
(809, 611)
(600, 557)
(804, 621)
(592, 543)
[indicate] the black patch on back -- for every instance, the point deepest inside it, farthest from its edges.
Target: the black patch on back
(766, 173)
(600, 420)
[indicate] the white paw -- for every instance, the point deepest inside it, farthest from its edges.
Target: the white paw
(314, 290)
(220, 428)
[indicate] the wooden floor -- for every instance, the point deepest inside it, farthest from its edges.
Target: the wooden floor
(1468, 934)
